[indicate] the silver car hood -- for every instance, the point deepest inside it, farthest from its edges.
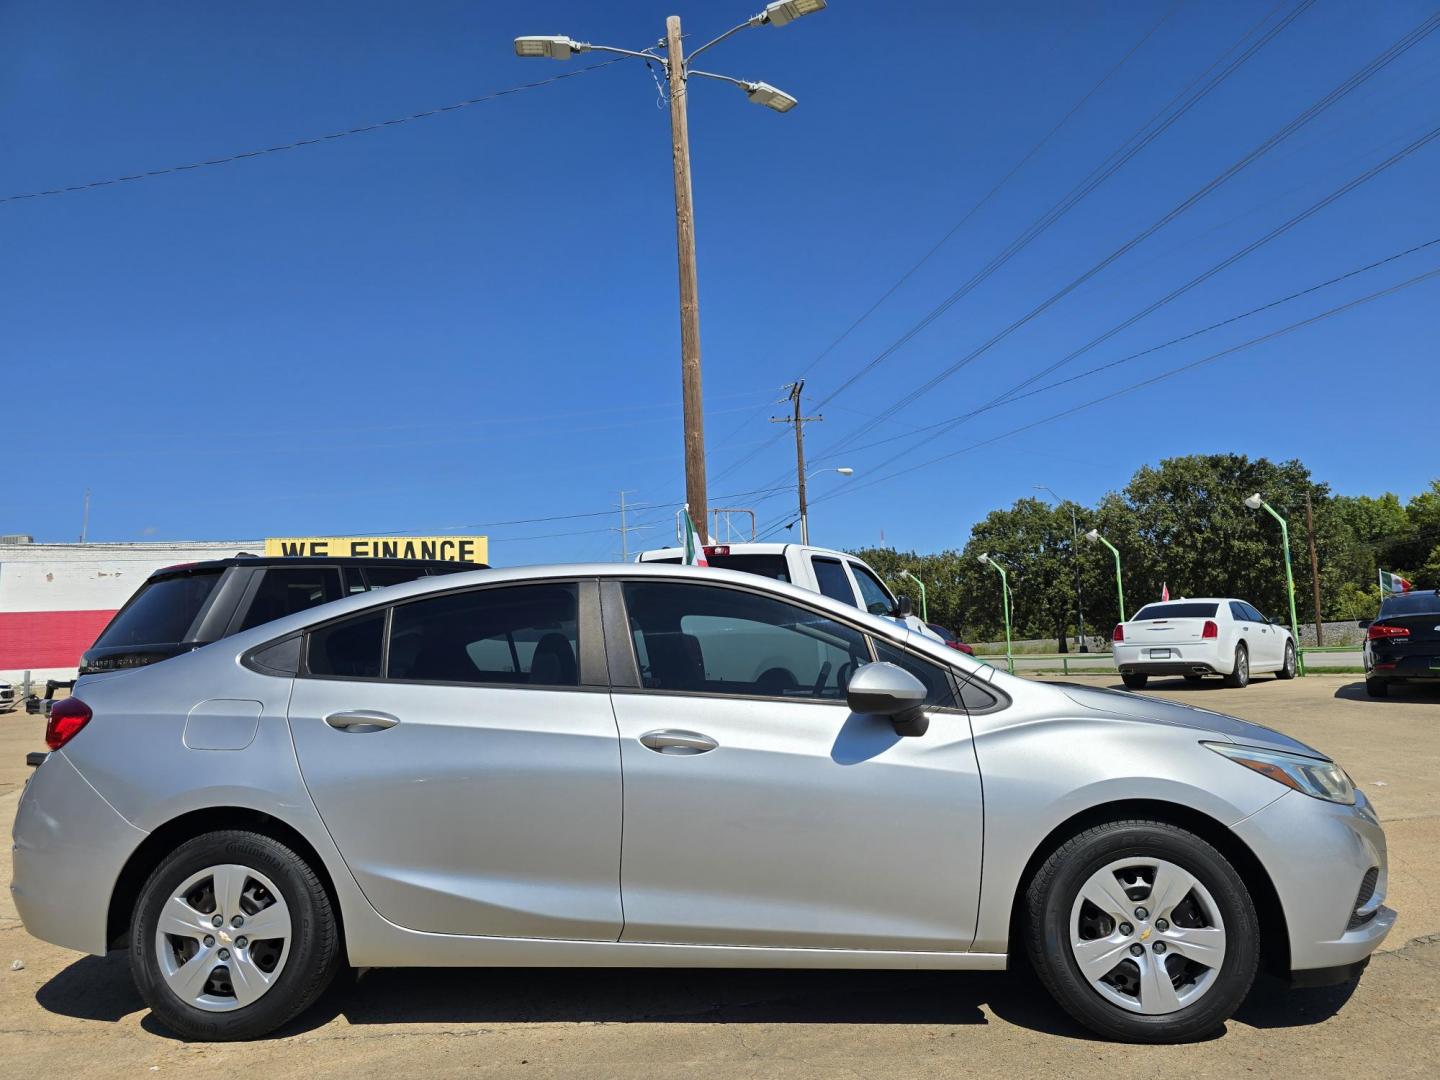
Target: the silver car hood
(1123, 706)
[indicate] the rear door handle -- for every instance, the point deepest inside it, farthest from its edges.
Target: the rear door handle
(361, 721)
(677, 742)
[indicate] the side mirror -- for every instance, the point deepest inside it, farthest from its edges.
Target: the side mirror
(1364, 624)
(882, 689)
(902, 607)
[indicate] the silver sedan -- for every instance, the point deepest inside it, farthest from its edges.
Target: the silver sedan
(653, 765)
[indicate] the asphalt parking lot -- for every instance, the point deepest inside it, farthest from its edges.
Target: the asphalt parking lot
(64, 1014)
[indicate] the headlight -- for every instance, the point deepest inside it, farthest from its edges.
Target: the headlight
(1316, 778)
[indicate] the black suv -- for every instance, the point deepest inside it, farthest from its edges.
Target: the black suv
(183, 607)
(1403, 644)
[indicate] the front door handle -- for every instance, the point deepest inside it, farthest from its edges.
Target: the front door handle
(677, 742)
(361, 721)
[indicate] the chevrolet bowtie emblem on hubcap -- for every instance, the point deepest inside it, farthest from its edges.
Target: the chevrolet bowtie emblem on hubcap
(1145, 934)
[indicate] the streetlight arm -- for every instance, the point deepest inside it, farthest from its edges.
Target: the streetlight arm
(755, 20)
(720, 78)
(645, 54)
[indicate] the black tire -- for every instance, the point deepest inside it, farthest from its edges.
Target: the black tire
(1289, 667)
(1239, 676)
(1377, 688)
(1133, 681)
(1053, 890)
(314, 951)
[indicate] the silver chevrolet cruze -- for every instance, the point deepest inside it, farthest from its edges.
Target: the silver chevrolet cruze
(661, 766)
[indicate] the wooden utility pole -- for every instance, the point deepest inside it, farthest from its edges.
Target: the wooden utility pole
(1314, 573)
(694, 411)
(799, 421)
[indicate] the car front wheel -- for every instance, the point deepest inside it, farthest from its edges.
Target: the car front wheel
(1143, 932)
(233, 935)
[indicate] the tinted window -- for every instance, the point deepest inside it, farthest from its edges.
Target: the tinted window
(288, 589)
(350, 647)
(727, 641)
(939, 690)
(1180, 610)
(1237, 611)
(1254, 614)
(876, 597)
(378, 577)
(1412, 603)
(771, 566)
(975, 698)
(525, 634)
(833, 582)
(161, 611)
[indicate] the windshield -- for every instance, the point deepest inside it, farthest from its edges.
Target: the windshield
(161, 612)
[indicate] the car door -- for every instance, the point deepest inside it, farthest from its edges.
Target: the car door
(1274, 637)
(462, 751)
(759, 811)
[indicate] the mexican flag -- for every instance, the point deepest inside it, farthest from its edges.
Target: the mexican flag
(694, 550)
(1393, 583)
(1165, 590)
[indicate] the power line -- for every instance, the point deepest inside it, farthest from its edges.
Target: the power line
(1315, 109)
(1169, 374)
(297, 144)
(905, 277)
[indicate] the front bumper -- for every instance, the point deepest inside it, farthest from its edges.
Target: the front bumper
(69, 848)
(1318, 855)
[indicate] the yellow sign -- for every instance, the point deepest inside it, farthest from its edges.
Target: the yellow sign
(475, 549)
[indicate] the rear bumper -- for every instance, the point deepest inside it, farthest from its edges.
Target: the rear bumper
(1317, 855)
(69, 847)
(1381, 666)
(1191, 658)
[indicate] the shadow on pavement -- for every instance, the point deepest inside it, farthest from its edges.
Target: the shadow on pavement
(1400, 693)
(100, 990)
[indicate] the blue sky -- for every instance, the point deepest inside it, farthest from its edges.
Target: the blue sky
(472, 318)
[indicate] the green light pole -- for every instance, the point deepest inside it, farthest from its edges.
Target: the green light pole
(924, 607)
(1255, 502)
(1005, 607)
(1095, 538)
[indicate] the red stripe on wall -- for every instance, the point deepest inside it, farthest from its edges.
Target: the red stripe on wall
(47, 639)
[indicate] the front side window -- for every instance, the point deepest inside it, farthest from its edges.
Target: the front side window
(877, 599)
(831, 578)
(284, 590)
(525, 635)
(705, 639)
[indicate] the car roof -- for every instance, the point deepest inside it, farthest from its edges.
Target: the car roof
(749, 547)
(874, 624)
(306, 560)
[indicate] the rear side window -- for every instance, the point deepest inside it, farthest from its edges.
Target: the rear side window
(1237, 611)
(161, 612)
(831, 578)
(1181, 610)
(771, 566)
(287, 589)
(522, 635)
(350, 648)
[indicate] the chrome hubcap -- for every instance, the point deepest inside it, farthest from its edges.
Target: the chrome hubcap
(1156, 963)
(1242, 662)
(223, 937)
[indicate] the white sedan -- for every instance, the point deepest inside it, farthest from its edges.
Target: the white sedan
(1195, 638)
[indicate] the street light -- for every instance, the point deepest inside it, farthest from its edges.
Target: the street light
(677, 68)
(1095, 538)
(1255, 502)
(843, 470)
(1074, 562)
(1004, 605)
(924, 607)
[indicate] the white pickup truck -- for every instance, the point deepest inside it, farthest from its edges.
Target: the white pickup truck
(831, 573)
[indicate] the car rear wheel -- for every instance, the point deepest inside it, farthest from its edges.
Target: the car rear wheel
(1287, 669)
(1377, 688)
(232, 936)
(1143, 932)
(1133, 681)
(1240, 674)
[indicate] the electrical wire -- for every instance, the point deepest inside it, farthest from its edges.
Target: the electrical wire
(297, 144)
(1375, 65)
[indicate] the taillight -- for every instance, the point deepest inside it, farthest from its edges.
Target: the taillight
(67, 717)
(717, 549)
(1209, 630)
(1384, 631)
(1119, 634)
